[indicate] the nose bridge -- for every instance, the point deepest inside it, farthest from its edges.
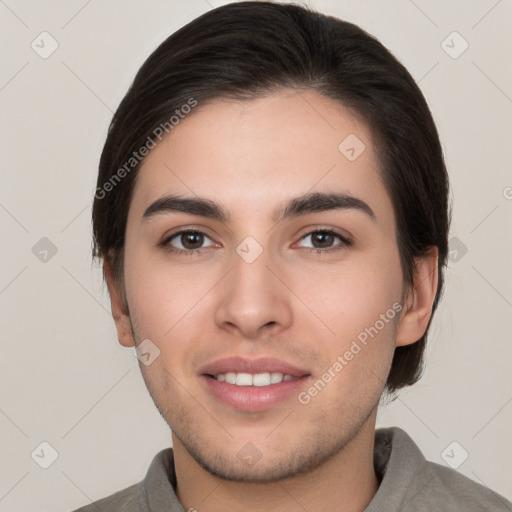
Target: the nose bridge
(250, 279)
(252, 297)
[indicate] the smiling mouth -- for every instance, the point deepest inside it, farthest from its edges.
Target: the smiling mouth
(253, 379)
(256, 386)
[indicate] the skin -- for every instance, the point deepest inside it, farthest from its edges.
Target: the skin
(292, 303)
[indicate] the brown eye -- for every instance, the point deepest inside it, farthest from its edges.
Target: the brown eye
(189, 241)
(192, 240)
(323, 239)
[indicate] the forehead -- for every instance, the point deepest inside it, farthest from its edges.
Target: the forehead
(255, 154)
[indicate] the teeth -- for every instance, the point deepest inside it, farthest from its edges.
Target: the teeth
(243, 379)
(257, 379)
(230, 378)
(276, 378)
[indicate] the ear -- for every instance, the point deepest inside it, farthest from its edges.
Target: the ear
(119, 312)
(419, 299)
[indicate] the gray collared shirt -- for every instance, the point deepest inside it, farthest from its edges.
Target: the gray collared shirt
(408, 483)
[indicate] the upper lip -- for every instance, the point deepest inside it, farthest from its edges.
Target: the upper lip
(244, 365)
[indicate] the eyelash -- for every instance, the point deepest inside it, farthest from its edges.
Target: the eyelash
(184, 252)
(344, 242)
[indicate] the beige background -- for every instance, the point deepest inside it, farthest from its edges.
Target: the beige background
(64, 378)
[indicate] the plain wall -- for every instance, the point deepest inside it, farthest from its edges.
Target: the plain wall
(65, 379)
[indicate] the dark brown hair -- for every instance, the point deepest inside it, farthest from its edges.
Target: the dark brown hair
(249, 49)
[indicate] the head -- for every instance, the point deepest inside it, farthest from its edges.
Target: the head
(302, 161)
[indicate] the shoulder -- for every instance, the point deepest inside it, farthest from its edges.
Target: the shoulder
(412, 483)
(454, 491)
(152, 493)
(125, 500)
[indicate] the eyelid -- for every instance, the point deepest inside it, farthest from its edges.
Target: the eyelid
(344, 241)
(166, 239)
(194, 228)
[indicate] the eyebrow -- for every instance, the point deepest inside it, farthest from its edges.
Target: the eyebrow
(308, 203)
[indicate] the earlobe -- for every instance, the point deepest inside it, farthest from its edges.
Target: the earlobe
(119, 311)
(420, 298)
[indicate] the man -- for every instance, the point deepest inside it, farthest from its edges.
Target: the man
(272, 215)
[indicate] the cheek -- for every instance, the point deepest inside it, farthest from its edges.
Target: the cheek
(169, 305)
(161, 293)
(360, 304)
(353, 296)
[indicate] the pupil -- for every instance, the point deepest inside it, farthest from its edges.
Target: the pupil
(323, 239)
(192, 240)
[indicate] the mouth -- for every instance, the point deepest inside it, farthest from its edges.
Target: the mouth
(252, 385)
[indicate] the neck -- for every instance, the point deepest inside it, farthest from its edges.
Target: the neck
(346, 482)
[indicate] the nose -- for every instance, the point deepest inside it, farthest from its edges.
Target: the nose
(253, 301)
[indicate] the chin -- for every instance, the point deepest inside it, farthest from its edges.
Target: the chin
(250, 464)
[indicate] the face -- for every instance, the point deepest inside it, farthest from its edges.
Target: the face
(290, 270)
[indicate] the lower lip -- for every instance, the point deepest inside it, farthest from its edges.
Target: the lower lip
(253, 398)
